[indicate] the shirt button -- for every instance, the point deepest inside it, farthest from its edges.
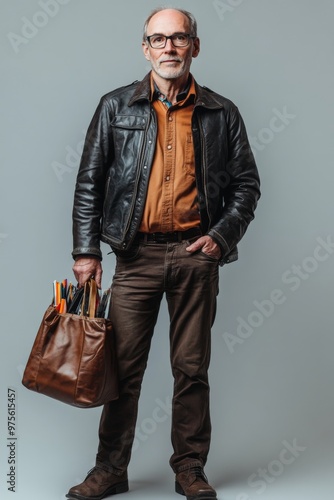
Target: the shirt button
(169, 146)
(167, 178)
(170, 118)
(145, 167)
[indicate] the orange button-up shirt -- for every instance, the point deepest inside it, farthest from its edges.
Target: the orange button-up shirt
(171, 202)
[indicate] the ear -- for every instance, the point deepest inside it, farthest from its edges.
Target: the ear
(196, 47)
(146, 50)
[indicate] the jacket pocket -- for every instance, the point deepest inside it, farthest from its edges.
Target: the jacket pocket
(129, 122)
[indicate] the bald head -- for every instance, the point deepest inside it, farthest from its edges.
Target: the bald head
(168, 15)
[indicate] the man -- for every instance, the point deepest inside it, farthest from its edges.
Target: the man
(168, 179)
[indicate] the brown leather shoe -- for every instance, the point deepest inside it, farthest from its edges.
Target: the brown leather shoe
(193, 483)
(99, 484)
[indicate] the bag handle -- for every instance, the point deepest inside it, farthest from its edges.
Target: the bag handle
(92, 298)
(88, 306)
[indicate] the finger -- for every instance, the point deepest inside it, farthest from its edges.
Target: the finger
(83, 278)
(193, 247)
(213, 251)
(98, 277)
(196, 245)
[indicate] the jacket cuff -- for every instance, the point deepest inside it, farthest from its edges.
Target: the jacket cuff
(87, 252)
(217, 238)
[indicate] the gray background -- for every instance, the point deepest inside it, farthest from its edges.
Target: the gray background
(272, 379)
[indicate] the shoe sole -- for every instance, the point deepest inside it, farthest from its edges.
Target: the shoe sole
(113, 490)
(204, 496)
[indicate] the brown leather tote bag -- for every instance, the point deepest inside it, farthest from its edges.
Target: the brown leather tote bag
(73, 357)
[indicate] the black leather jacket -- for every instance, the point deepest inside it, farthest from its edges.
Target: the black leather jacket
(116, 161)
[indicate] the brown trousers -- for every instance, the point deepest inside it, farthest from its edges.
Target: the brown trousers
(190, 282)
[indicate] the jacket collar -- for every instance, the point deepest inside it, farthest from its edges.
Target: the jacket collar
(142, 91)
(204, 97)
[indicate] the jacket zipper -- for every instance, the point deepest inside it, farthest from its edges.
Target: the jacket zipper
(203, 170)
(137, 179)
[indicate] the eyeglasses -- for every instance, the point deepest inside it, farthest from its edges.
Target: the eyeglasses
(158, 41)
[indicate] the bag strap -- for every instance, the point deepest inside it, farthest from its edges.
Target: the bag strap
(92, 298)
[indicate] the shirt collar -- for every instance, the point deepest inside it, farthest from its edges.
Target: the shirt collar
(188, 94)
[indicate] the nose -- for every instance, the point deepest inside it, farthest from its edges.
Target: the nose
(169, 46)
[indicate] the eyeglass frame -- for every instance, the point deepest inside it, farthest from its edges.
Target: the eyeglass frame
(170, 37)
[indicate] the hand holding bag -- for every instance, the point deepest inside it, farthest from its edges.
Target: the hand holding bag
(73, 357)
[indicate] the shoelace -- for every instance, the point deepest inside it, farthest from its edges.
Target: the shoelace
(90, 472)
(199, 472)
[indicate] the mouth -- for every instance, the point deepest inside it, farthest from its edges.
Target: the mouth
(170, 61)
